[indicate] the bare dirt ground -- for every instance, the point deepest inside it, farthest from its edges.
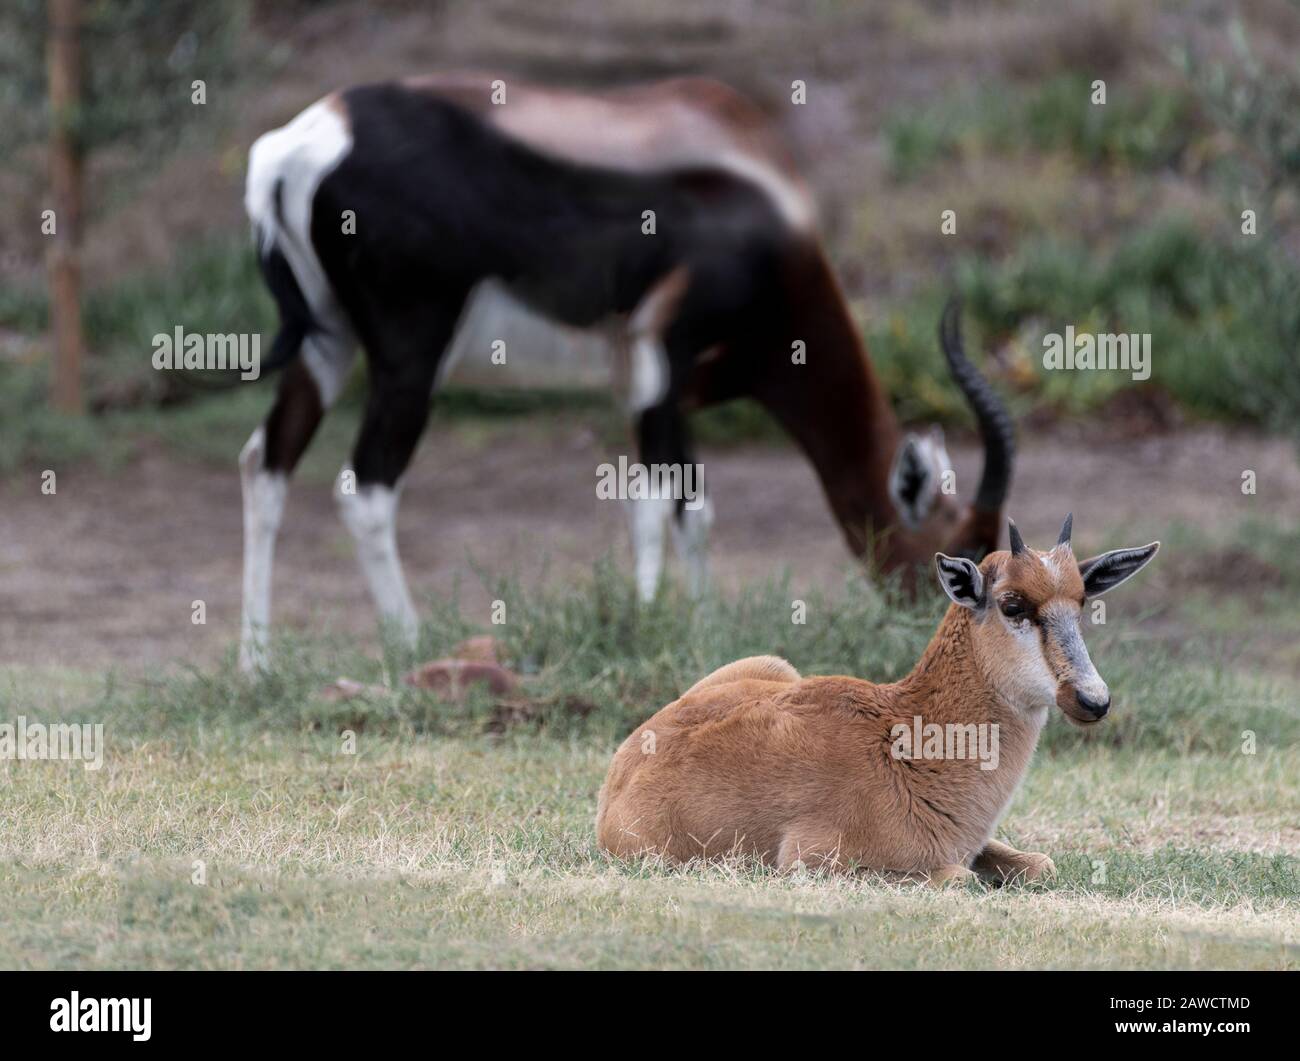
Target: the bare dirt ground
(105, 571)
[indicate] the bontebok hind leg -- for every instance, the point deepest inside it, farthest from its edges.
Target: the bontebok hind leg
(306, 389)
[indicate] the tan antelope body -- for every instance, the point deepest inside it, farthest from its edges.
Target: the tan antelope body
(757, 760)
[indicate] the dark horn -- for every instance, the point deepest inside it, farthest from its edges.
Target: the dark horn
(1017, 542)
(995, 427)
(1067, 529)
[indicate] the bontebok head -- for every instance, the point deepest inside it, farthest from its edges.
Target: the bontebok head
(1026, 609)
(930, 513)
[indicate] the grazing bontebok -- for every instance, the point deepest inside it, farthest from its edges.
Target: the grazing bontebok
(824, 771)
(667, 216)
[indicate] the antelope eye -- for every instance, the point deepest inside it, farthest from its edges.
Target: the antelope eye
(1013, 608)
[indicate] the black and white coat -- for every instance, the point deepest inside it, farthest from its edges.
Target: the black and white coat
(544, 195)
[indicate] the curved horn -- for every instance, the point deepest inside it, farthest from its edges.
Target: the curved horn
(995, 425)
(1017, 542)
(1066, 529)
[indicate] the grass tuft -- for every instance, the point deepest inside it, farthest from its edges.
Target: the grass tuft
(597, 662)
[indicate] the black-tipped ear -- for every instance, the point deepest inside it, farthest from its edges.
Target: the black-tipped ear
(960, 579)
(1105, 572)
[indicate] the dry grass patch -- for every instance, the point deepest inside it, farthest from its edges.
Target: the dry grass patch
(479, 853)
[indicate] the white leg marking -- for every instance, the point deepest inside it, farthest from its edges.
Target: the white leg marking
(296, 158)
(649, 519)
(264, 494)
(370, 513)
(691, 538)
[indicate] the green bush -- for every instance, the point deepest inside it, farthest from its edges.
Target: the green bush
(1223, 338)
(213, 288)
(1223, 320)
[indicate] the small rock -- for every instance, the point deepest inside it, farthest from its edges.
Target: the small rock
(482, 648)
(453, 678)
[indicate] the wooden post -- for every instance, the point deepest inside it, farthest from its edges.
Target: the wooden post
(63, 60)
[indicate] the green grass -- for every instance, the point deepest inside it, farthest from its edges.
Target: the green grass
(1239, 587)
(1222, 333)
(1142, 127)
(438, 844)
(1215, 302)
(599, 662)
(214, 287)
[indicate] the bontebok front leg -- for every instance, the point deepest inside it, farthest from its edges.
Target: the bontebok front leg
(369, 512)
(1005, 863)
(367, 492)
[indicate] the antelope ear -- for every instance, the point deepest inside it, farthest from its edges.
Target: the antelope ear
(1108, 570)
(961, 580)
(914, 476)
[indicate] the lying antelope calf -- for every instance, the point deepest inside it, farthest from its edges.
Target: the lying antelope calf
(822, 771)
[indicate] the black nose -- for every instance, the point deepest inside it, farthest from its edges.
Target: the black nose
(1096, 708)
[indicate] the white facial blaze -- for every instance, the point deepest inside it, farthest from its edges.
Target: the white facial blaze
(917, 475)
(1062, 625)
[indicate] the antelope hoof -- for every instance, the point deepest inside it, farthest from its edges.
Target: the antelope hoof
(950, 877)
(1034, 866)
(1022, 868)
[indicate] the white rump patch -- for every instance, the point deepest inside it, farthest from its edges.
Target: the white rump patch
(297, 156)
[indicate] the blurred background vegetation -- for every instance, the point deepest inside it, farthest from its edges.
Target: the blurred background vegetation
(1126, 217)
